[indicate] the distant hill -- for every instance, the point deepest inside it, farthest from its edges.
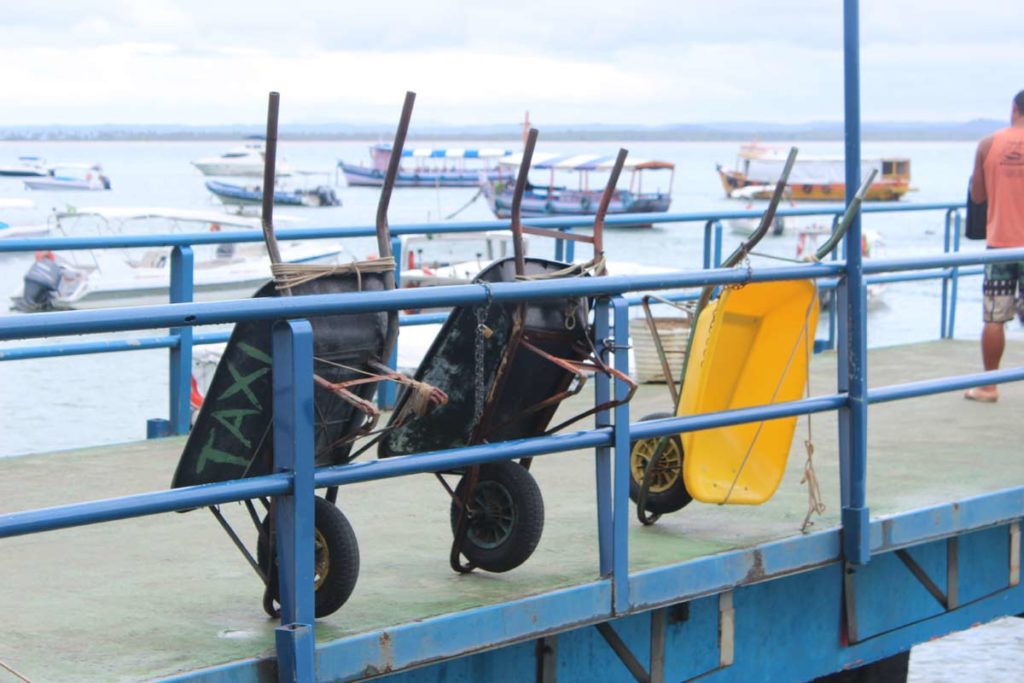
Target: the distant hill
(739, 130)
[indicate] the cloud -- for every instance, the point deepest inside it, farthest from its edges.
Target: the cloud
(192, 61)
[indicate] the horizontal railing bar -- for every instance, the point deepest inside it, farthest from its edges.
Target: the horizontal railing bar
(927, 387)
(156, 342)
(455, 458)
(143, 504)
(270, 308)
(619, 220)
(951, 260)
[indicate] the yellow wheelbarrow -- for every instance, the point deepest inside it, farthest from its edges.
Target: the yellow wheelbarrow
(749, 346)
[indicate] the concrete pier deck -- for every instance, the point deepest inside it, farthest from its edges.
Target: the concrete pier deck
(151, 597)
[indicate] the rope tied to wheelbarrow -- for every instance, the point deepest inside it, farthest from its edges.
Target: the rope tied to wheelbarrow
(595, 265)
(288, 275)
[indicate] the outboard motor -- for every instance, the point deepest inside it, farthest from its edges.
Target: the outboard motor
(106, 182)
(326, 196)
(41, 283)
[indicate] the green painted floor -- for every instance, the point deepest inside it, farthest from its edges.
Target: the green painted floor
(149, 597)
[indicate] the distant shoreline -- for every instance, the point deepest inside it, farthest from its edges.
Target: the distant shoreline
(725, 132)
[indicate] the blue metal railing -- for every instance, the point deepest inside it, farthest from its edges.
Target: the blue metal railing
(180, 339)
(294, 477)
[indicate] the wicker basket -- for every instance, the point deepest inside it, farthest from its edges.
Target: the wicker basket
(674, 334)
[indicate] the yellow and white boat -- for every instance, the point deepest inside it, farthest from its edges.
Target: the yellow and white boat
(814, 178)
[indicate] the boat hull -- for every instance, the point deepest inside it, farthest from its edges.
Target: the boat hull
(236, 195)
(537, 203)
(64, 185)
(363, 176)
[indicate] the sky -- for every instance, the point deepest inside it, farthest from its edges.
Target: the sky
(642, 62)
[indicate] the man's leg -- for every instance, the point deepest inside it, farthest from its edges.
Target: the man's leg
(998, 303)
(993, 341)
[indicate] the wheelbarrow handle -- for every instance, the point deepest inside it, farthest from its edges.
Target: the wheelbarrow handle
(606, 199)
(767, 217)
(383, 233)
(517, 201)
(844, 223)
(269, 169)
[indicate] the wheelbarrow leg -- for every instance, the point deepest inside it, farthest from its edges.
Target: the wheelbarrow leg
(462, 525)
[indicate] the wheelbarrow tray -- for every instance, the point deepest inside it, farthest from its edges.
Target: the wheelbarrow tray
(750, 348)
(233, 434)
(514, 378)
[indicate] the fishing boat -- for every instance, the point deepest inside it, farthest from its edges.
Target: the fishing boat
(75, 177)
(252, 195)
(96, 279)
(26, 167)
(815, 178)
(428, 167)
(550, 199)
(246, 160)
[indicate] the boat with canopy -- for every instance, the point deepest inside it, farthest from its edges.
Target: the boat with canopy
(428, 167)
(551, 199)
(814, 178)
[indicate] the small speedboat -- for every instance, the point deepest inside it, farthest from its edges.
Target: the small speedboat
(79, 279)
(26, 167)
(252, 195)
(240, 161)
(75, 177)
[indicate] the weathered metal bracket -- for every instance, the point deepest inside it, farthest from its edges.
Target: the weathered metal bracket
(949, 600)
(659, 621)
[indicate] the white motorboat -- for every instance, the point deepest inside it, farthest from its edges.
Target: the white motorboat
(76, 177)
(8, 231)
(26, 167)
(130, 277)
(240, 161)
(451, 258)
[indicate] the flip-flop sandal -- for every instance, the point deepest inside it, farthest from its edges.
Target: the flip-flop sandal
(977, 394)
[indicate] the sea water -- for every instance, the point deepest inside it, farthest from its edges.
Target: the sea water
(58, 403)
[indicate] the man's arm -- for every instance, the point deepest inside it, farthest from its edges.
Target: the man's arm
(979, 193)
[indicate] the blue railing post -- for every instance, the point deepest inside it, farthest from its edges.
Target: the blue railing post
(853, 354)
(718, 244)
(386, 391)
(955, 285)
(570, 248)
(180, 374)
(835, 294)
(294, 514)
(946, 243)
(603, 455)
(560, 246)
(620, 510)
(708, 226)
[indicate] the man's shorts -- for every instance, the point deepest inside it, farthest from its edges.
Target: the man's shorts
(1003, 290)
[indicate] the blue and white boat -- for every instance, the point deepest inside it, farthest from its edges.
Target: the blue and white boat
(26, 167)
(550, 199)
(252, 195)
(429, 167)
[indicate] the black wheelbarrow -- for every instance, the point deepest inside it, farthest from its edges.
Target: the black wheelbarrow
(233, 434)
(505, 368)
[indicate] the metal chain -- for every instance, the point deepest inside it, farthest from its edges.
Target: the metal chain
(482, 332)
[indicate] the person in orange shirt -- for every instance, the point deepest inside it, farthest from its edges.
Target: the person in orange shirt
(999, 179)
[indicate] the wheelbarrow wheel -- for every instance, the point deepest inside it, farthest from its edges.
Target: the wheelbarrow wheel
(667, 492)
(506, 517)
(335, 559)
